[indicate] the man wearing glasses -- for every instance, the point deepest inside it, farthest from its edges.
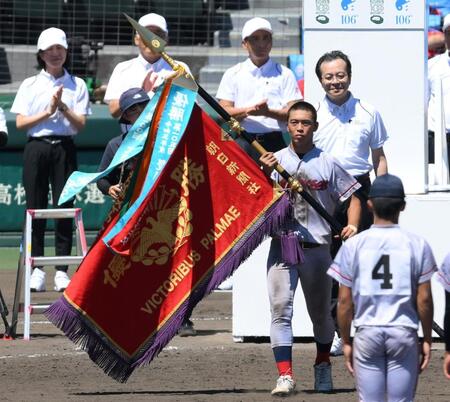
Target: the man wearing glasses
(351, 130)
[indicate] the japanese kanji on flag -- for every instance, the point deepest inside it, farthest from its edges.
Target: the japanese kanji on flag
(210, 207)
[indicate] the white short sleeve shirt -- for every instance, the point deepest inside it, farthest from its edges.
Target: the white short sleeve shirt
(349, 132)
(246, 84)
(34, 96)
(321, 176)
(384, 266)
(131, 74)
(439, 71)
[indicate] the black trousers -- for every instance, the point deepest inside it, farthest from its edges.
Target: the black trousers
(45, 164)
(431, 146)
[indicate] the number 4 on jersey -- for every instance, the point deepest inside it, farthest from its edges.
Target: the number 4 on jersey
(381, 271)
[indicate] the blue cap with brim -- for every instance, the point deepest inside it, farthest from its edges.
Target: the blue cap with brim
(387, 186)
(129, 98)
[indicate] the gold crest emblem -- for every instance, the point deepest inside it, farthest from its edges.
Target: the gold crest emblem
(160, 238)
(155, 43)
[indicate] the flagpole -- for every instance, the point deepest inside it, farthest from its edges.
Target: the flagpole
(156, 44)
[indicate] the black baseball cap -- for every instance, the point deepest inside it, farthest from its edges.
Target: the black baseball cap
(387, 186)
(129, 98)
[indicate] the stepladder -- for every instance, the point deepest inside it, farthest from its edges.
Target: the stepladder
(26, 263)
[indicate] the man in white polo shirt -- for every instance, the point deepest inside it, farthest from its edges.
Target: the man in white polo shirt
(353, 132)
(258, 92)
(439, 72)
(349, 129)
(147, 71)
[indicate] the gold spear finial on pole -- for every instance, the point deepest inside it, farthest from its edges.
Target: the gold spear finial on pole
(156, 44)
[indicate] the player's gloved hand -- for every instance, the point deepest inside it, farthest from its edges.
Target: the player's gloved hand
(348, 357)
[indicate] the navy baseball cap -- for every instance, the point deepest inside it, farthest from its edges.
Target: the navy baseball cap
(387, 186)
(129, 98)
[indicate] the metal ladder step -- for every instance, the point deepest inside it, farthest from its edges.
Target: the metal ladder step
(36, 308)
(64, 260)
(28, 262)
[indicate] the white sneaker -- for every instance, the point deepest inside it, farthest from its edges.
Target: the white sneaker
(336, 347)
(285, 386)
(61, 281)
(37, 280)
(322, 377)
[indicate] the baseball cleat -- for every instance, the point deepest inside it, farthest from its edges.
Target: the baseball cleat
(285, 386)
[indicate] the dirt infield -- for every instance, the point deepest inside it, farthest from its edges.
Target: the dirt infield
(207, 367)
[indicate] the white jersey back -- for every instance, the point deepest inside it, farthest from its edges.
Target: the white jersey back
(384, 266)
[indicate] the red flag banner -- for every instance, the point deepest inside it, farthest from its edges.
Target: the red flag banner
(209, 209)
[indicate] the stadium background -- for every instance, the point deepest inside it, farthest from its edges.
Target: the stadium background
(206, 34)
(203, 33)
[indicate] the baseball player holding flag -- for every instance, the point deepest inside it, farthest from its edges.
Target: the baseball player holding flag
(384, 275)
(329, 184)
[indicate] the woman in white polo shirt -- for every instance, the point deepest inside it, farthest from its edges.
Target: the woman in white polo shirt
(52, 107)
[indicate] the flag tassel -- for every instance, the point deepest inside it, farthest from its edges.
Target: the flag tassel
(112, 361)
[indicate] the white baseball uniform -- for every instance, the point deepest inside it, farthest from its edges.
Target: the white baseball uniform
(383, 266)
(329, 183)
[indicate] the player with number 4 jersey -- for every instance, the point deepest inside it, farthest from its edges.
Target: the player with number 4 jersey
(384, 275)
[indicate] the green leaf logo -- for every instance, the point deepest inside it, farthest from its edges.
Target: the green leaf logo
(377, 19)
(322, 19)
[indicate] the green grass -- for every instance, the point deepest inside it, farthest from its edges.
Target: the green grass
(9, 256)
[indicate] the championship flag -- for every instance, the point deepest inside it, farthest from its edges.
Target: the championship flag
(210, 207)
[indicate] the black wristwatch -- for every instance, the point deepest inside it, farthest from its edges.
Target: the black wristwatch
(62, 108)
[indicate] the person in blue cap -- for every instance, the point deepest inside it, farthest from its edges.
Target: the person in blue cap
(132, 102)
(384, 274)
